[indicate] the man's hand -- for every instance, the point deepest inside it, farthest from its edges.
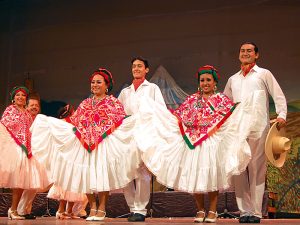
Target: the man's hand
(281, 123)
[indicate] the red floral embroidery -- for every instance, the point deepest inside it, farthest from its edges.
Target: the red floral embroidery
(199, 118)
(17, 124)
(94, 120)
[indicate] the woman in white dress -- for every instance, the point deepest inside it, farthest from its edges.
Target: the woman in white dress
(93, 152)
(18, 169)
(202, 144)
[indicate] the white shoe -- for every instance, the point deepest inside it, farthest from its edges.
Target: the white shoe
(199, 219)
(212, 220)
(100, 218)
(90, 218)
(13, 215)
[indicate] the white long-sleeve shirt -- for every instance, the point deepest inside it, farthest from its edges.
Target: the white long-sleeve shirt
(130, 98)
(239, 87)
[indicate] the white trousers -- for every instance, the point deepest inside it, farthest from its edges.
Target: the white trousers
(137, 194)
(25, 204)
(250, 185)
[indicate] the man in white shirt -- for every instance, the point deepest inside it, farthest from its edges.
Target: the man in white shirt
(250, 185)
(137, 193)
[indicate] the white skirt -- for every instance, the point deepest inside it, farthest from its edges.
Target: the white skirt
(16, 170)
(110, 166)
(211, 165)
(56, 192)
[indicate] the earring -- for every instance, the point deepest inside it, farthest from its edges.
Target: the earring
(215, 89)
(106, 91)
(200, 91)
(12, 101)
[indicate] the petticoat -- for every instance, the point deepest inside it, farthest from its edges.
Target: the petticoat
(56, 192)
(16, 170)
(110, 166)
(211, 165)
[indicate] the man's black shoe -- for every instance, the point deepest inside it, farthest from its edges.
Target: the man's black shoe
(254, 219)
(244, 219)
(83, 217)
(29, 216)
(136, 217)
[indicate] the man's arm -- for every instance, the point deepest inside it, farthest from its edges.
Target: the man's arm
(278, 97)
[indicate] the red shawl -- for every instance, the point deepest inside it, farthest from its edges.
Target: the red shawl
(200, 118)
(17, 124)
(96, 119)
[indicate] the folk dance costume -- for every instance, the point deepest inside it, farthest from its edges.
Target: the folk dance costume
(137, 193)
(92, 152)
(250, 185)
(202, 144)
(18, 169)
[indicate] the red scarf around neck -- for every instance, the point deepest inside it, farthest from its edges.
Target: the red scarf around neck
(246, 68)
(137, 82)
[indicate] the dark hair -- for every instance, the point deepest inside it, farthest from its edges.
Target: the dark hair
(250, 43)
(65, 111)
(145, 61)
(34, 96)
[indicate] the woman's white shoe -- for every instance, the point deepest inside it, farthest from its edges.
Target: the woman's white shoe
(100, 218)
(199, 219)
(13, 215)
(211, 220)
(92, 218)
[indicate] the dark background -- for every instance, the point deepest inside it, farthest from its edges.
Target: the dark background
(59, 43)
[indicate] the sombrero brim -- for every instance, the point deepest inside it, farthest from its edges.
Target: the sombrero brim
(276, 160)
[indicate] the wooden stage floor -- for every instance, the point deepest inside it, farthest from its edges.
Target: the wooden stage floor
(123, 221)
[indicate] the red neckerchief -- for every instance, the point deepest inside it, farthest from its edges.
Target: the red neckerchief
(137, 82)
(246, 68)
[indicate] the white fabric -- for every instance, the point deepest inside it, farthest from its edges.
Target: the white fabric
(130, 98)
(137, 196)
(16, 170)
(250, 185)
(239, 87)
(137, 193)
(73, 168)
(56, 192)
(210, 166)
(25, 203)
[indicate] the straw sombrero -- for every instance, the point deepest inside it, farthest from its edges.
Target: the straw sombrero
(277, 145)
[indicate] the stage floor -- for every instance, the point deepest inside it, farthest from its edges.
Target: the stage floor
(123, 221)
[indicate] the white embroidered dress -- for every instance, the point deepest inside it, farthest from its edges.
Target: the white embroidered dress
(93, 152)
(18, 169)
(202, 144)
